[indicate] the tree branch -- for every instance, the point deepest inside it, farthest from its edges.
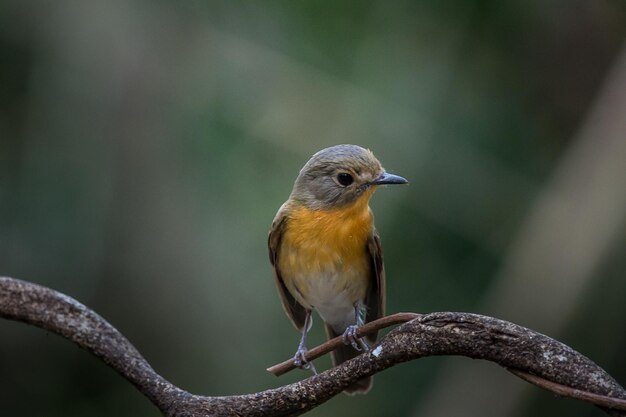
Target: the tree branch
(532, 356)
(332, 344)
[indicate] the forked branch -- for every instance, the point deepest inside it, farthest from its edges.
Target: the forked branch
(532, 356)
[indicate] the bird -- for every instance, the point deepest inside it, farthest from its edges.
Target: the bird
(326, 253)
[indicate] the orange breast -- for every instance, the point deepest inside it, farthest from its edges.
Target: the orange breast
(320, 244)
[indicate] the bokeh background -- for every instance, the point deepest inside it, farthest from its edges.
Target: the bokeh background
(145, 147)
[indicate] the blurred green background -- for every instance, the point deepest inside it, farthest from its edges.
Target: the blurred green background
(146, 146)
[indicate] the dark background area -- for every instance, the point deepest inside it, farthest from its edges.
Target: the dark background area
(146, 146)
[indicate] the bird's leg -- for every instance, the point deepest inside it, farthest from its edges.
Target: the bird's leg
(349, 335)
(299, 360)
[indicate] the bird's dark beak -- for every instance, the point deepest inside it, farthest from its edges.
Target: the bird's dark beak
(388, 178)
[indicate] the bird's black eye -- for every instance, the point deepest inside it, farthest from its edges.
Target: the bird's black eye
(345, 179)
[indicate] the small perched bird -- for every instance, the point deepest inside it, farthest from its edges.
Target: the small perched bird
(326, 252)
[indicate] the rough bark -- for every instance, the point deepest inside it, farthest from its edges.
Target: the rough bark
(525, 352)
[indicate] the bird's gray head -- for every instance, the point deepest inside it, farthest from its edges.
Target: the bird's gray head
(338, 176)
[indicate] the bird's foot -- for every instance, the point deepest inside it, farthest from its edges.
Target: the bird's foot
(350, 338)
(300, 361)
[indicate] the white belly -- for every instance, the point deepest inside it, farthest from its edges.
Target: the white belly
(334, 296)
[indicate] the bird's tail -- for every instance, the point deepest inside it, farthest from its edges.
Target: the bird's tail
(342, 354)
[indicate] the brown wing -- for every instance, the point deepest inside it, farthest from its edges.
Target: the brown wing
(375, 299)
(294, 310)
